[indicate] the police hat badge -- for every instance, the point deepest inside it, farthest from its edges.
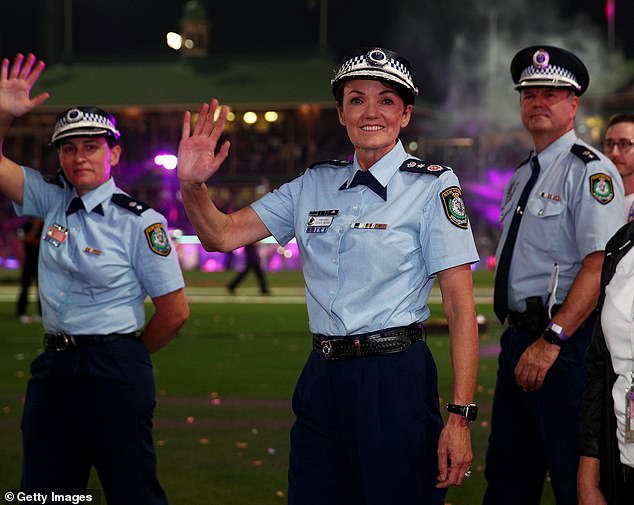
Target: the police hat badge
(378, 64)
(85, 121)
(549, 66)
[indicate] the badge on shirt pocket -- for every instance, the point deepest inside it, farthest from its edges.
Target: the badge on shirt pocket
(56, 235)
(320, 220)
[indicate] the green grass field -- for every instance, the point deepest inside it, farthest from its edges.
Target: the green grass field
(224, 387)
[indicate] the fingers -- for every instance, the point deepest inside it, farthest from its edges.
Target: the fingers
(28, 70)
(442, 465)
(4, 71)
(202, 118)
(186, 125)
(40, 99)
(25, 70)
(15, 68)
(207, 125)
(34, 75)
(455, 476)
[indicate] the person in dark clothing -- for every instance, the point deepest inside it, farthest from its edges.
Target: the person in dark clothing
(31, 232)
(606, 467)
(252, 263)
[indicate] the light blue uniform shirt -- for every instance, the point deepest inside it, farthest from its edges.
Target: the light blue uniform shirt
(564, 220)
(95, 279)
(369, 264)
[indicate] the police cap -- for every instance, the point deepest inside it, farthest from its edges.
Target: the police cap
(85, 121)
(549, 66)
(378, 64)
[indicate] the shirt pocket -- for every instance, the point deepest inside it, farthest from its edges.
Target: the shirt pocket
(544, 222)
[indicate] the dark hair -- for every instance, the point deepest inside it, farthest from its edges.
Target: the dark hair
(621, 118)
(405, 95)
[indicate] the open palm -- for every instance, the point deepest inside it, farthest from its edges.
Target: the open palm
(197, 156)
(16, 83)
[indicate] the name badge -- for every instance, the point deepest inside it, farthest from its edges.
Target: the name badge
(320, 220)
(56, 235)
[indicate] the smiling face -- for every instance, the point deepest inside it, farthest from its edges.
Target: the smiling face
(87, 161)
(548, 112)
(373, 114)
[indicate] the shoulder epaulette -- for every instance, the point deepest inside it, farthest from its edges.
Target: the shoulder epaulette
(336, 163)
(57, 179)
(421, 167)
(129, 203)
(584, 153)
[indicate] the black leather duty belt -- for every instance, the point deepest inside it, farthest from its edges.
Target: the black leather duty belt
(387, 341)
(533, 321)
(63, 342)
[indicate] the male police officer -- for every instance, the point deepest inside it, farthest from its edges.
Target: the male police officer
(91, 396)
(560, 208)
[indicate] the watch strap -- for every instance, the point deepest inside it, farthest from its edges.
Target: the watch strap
(559, 330)
(469, 412)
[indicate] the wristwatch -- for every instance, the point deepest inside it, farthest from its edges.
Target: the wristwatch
(469, 412)
(555, 334)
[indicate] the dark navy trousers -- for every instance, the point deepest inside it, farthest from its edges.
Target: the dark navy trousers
(536, 432)
(366, 431)
(92, 407)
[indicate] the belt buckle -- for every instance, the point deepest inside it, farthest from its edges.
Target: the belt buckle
(327, 349)
(63, 342)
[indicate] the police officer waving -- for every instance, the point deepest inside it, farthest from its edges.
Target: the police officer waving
(561, 207)
(373, 235)
(90, 399)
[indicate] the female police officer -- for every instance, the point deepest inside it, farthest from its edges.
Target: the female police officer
(373, 234)
(91, 395)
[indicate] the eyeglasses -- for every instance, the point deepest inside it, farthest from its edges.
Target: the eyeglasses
(623, 145)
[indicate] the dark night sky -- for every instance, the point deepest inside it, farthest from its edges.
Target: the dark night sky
(426, 31)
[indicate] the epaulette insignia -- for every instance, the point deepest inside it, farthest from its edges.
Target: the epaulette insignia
(420, 167)
(157, 239)
(584, 153)
(55, 179)
(129, 203)
(326, 163)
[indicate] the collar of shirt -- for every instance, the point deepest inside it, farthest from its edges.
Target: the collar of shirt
(97, 196)
(385, 168)
(563, 143)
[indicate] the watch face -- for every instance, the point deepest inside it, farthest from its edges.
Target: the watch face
(552, 337)
(471, 412)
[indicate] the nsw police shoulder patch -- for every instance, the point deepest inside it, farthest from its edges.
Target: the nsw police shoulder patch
(454, 207)
(601, 188)
(420, 167)
(157, 239)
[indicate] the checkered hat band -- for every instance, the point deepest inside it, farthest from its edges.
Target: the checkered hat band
(550, 73)
(88, 117)
(85, 127)
(359, 66)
